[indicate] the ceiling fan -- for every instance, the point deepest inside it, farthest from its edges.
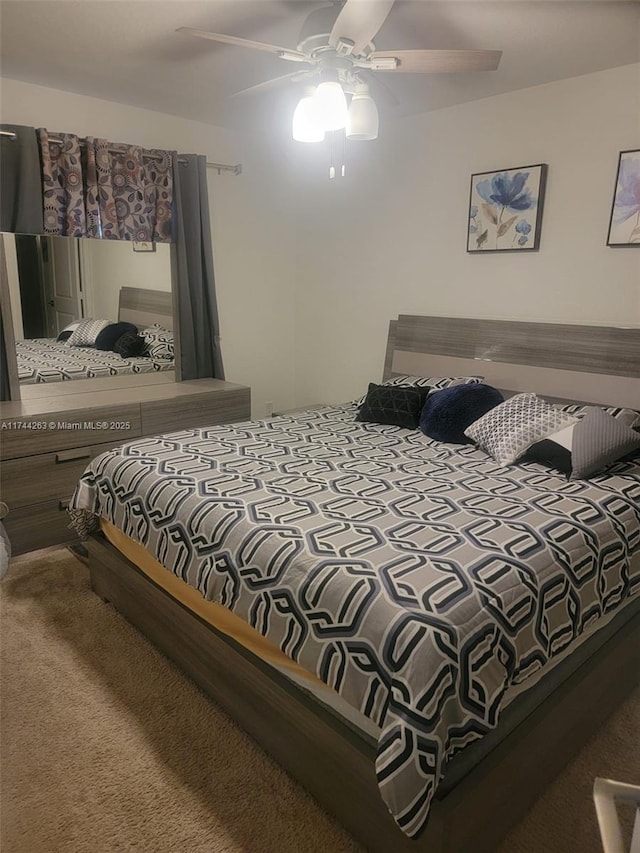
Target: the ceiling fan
(336, 47)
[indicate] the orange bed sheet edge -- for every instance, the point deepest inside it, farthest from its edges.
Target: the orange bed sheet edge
(216, 615)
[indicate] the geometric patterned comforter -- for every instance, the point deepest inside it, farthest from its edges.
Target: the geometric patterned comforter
(47, 360)
(420, 580)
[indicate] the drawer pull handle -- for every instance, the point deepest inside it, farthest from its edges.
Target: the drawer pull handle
(72, 455)
(63, 505)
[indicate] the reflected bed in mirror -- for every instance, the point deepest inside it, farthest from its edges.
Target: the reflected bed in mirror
(48, 360)
(56, 283)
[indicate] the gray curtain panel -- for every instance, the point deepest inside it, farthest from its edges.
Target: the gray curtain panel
(199, 327)
(21, 181)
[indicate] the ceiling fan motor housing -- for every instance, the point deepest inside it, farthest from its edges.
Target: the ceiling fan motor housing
(318, 25)
(315, 34)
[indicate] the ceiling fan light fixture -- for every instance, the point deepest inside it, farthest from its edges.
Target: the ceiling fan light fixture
(362, 117)
(331, 104)
(306, 125)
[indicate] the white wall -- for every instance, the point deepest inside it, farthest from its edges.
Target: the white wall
(390, 238)
(309, 271)
(109, 265)
(251, 224)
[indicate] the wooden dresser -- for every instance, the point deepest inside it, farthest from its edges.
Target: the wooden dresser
(47, 440)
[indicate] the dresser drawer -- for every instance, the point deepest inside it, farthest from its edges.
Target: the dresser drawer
(38, 526)
(66, 430)
(44, 477)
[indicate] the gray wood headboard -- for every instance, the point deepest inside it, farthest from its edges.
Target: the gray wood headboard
(143, 307)
(592, 364)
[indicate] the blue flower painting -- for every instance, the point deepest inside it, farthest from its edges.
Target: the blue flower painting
(624, 226)
(505, 209)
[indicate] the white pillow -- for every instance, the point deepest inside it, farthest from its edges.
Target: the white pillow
(62, 334)
(86, 333)
(507, 431)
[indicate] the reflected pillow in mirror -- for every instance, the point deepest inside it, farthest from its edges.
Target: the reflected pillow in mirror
(110, 334)
(130, 345)
(159, 342)
(87, 332)
(66, 333)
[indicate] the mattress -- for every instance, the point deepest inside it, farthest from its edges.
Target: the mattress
(422, 582)
(48, 360)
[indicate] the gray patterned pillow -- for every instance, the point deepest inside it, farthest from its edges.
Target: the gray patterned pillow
(86, 333)
(508, 431)
(434, 382)
(587, 447)
(629, 417)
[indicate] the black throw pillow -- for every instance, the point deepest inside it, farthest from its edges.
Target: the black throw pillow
(398, 405)
(111, 333)
(130, 345)
(447, 413)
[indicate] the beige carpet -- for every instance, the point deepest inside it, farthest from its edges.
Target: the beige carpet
(107, 747)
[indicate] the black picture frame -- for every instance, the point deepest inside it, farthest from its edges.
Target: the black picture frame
(143, 246)
(625, 233)
(505, 209)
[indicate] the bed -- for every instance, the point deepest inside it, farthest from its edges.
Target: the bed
(425, 610)
(47, 360)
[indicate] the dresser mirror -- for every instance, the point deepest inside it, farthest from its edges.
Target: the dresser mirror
(58, 281)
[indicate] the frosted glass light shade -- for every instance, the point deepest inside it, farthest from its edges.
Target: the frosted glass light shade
(306, 125)
(362, 118)
(331, 105)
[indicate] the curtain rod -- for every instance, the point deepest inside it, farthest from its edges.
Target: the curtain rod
(221, 167)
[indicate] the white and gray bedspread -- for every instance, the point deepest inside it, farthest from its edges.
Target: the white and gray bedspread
(47, 360)
(419, 580)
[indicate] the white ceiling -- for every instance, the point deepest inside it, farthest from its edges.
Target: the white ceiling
(128, 51)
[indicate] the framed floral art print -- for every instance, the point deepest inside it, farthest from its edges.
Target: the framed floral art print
(505, 209)
(624, 222)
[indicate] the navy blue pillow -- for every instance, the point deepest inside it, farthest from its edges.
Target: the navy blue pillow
(447, 413)
(110, 334)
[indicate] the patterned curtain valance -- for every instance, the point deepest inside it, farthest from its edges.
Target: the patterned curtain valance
(93, 188)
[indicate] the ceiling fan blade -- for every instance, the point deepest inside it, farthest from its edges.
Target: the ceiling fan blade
(270, 84)
(439, 61)
(359, 21)
(282, 52)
